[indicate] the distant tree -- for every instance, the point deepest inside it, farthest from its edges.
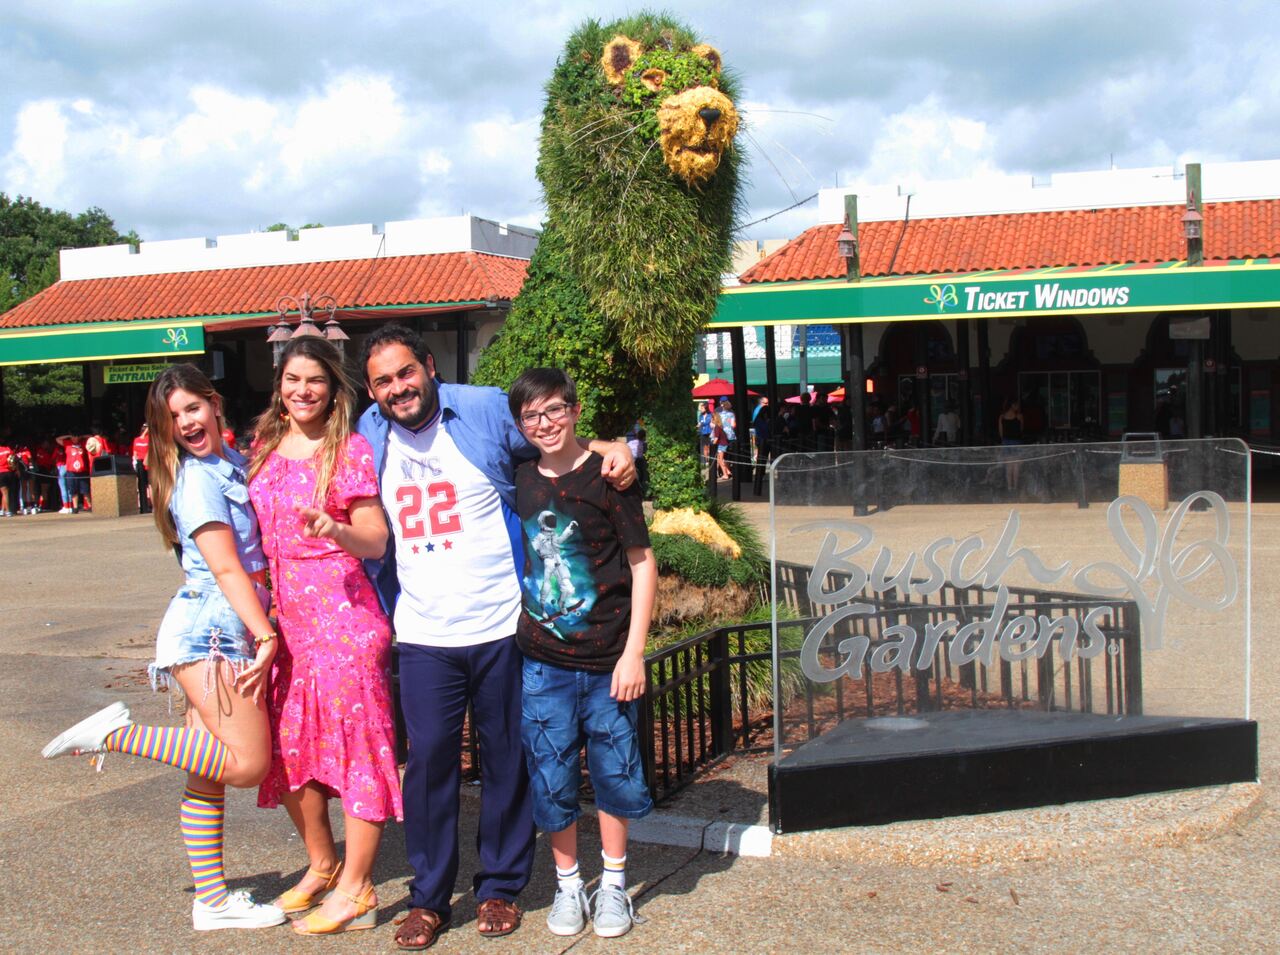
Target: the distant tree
(44, 386)
(293, 233)
(31, 236)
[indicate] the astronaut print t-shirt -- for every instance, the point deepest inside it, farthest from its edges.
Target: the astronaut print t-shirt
(576, 582)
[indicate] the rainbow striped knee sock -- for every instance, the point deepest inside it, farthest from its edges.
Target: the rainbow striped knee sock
(200, 819)
(192, 750)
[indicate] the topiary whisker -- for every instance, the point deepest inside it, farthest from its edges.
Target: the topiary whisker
(748, 110)
(751, 139)
(595, 124)
(798, 161)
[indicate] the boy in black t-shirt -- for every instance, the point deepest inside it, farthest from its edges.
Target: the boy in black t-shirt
(588, 584)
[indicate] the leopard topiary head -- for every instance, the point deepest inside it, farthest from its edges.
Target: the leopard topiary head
(678, 93)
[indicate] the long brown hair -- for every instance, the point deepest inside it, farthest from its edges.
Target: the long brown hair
(273, 424)
(162, 452)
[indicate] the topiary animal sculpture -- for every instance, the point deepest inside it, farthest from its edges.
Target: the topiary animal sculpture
(640, 178)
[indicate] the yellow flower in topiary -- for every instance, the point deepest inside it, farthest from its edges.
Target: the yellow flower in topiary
(619, 54)
(699, 525)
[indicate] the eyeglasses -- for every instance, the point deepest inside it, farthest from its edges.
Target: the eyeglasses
(553, 413)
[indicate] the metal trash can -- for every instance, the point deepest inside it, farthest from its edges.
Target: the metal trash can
(1144, 471)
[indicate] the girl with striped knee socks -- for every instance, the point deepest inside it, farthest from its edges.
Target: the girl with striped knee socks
(215, 644)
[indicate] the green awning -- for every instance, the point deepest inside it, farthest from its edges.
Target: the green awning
(101, 341)
(1106, 290)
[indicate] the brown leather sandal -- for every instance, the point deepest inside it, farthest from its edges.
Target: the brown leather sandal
(496, 913)
(418, 923)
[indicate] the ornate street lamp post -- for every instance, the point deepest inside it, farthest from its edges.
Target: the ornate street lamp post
(278, 335)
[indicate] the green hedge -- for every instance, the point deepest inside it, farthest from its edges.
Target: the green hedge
(691, 560)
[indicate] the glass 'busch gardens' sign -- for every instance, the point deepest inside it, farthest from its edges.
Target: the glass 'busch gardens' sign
(1049, 578)
(966, 630)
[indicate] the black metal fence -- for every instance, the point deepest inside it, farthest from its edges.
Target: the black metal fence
(697, 707)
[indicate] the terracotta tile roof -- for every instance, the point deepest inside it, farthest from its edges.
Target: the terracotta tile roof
(1232, 230)
(397, 280)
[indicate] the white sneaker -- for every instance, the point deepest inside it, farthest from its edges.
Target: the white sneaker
(238, 910)
(611, 914)
(569, 911)
(65, 510)
(89, 735)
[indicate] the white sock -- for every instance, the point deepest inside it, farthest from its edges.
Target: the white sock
(570, 880)
(615, 872)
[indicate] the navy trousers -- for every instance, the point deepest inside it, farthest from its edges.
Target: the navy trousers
(436, 684)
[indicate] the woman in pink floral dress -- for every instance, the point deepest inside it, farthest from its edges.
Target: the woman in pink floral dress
(316, 495)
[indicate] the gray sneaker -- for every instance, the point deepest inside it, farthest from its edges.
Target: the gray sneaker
(611, 913)
(569, 910)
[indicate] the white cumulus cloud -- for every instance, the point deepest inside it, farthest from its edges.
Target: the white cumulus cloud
(36, 164)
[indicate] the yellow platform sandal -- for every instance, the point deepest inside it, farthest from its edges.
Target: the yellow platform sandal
(366, 916)
(293, 901)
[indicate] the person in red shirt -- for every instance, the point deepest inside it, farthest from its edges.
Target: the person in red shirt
(913, 424)
(46, 458)
(140, 446)
(26, 480)
(8, 477)
(76, 460)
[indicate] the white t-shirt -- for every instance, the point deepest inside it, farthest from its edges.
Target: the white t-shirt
(458, 583)
(948, 424)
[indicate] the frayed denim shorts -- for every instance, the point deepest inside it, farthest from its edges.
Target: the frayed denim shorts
(200, 625)
(561, 710)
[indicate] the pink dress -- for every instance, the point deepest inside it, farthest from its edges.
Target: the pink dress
(330, 699)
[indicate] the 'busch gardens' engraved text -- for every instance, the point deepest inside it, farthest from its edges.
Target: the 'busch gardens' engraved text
(1162, 558)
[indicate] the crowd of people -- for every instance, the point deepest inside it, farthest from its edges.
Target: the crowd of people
(53, 474)
(810, 422)
(510, 558)
(49, 473)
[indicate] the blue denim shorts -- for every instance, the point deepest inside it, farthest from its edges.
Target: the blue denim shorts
(200, 625)
(560, 711)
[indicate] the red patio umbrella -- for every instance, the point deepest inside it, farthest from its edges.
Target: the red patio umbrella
(718, 388)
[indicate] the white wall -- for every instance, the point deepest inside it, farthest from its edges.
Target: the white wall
(326, 244)
(991, 195)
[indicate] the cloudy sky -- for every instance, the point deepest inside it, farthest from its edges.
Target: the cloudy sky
(183, 119)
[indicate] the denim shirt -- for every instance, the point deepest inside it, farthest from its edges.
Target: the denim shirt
(479, 421)
(214, 489)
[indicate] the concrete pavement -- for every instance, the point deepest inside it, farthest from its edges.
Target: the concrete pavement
(93, 862)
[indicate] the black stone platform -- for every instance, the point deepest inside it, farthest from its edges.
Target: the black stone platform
(869, 771)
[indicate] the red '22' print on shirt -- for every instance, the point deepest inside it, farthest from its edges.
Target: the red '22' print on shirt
(441, 511)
